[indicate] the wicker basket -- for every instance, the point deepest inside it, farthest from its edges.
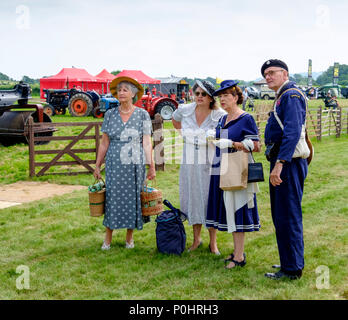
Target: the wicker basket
(151, 201)
(97, 202)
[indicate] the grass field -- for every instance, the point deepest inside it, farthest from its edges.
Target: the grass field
(60, 243)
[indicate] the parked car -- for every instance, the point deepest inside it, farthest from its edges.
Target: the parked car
(266, 93)
(253, 93)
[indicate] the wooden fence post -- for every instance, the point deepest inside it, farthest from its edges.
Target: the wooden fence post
(31, 147)
(173, 133)
(258, 122)
(97, 141)
(158, 138)
(319, 112)
(329, 117)
(338, 122)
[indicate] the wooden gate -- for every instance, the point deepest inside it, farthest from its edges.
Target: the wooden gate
(329, 122)
(69, 150)
(66, 150)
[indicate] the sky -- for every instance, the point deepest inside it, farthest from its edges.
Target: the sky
(186, 38)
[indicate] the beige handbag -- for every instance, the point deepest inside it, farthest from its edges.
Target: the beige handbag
(234, 171)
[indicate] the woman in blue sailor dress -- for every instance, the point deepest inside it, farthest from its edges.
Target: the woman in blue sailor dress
(233, 211)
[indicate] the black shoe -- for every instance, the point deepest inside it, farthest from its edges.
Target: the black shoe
(236, 263)
(232, 257)
(281, 275)
(276, 266)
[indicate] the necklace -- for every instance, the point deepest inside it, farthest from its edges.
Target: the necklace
(125, 112)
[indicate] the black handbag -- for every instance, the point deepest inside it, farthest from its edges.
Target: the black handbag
(255, 171)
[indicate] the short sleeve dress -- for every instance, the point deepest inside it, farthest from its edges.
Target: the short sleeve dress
(125, 168)
(196, 161)
(233, 211)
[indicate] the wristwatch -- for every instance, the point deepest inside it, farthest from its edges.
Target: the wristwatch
(280, 161)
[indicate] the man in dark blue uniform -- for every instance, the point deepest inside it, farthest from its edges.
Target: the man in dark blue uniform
(287, 174)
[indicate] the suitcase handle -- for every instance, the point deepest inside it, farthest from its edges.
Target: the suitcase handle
(170, 206)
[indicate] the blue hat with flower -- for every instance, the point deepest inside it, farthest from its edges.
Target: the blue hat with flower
(225, 85)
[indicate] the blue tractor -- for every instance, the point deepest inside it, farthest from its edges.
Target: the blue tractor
(106, 102)
(79, 103)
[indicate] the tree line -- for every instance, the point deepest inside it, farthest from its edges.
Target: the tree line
(325, 77)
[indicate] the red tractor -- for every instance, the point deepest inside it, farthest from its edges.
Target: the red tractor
(163, 105)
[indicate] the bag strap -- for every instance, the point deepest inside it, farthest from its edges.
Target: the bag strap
(170, 206)
(275, 103)
(251, 152)
(97, 180)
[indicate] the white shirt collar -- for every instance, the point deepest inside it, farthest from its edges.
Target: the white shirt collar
(281, 87)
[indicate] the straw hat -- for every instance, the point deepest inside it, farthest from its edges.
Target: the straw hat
(116, 81)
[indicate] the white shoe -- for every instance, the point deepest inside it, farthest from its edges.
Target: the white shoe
(130, 245)
(105, 246)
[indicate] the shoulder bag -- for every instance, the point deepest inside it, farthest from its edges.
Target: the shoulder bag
(304, 148)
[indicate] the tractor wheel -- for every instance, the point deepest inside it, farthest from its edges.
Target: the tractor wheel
(266, 97)
(80, 105)
(60, 111)
(49, 110)
(165, 109)
(97, 113)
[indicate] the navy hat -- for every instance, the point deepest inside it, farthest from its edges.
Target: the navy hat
(273, 63)
(225, 85)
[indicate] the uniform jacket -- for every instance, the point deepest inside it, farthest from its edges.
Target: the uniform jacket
(291, 109)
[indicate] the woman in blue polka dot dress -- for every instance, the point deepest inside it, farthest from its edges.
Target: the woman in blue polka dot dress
(126, 146)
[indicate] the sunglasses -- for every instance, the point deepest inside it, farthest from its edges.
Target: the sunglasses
(203, 94)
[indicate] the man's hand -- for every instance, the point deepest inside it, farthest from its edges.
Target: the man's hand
(274, 177)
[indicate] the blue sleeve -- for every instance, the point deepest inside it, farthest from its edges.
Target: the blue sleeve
(250, 131)
(292, 114)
